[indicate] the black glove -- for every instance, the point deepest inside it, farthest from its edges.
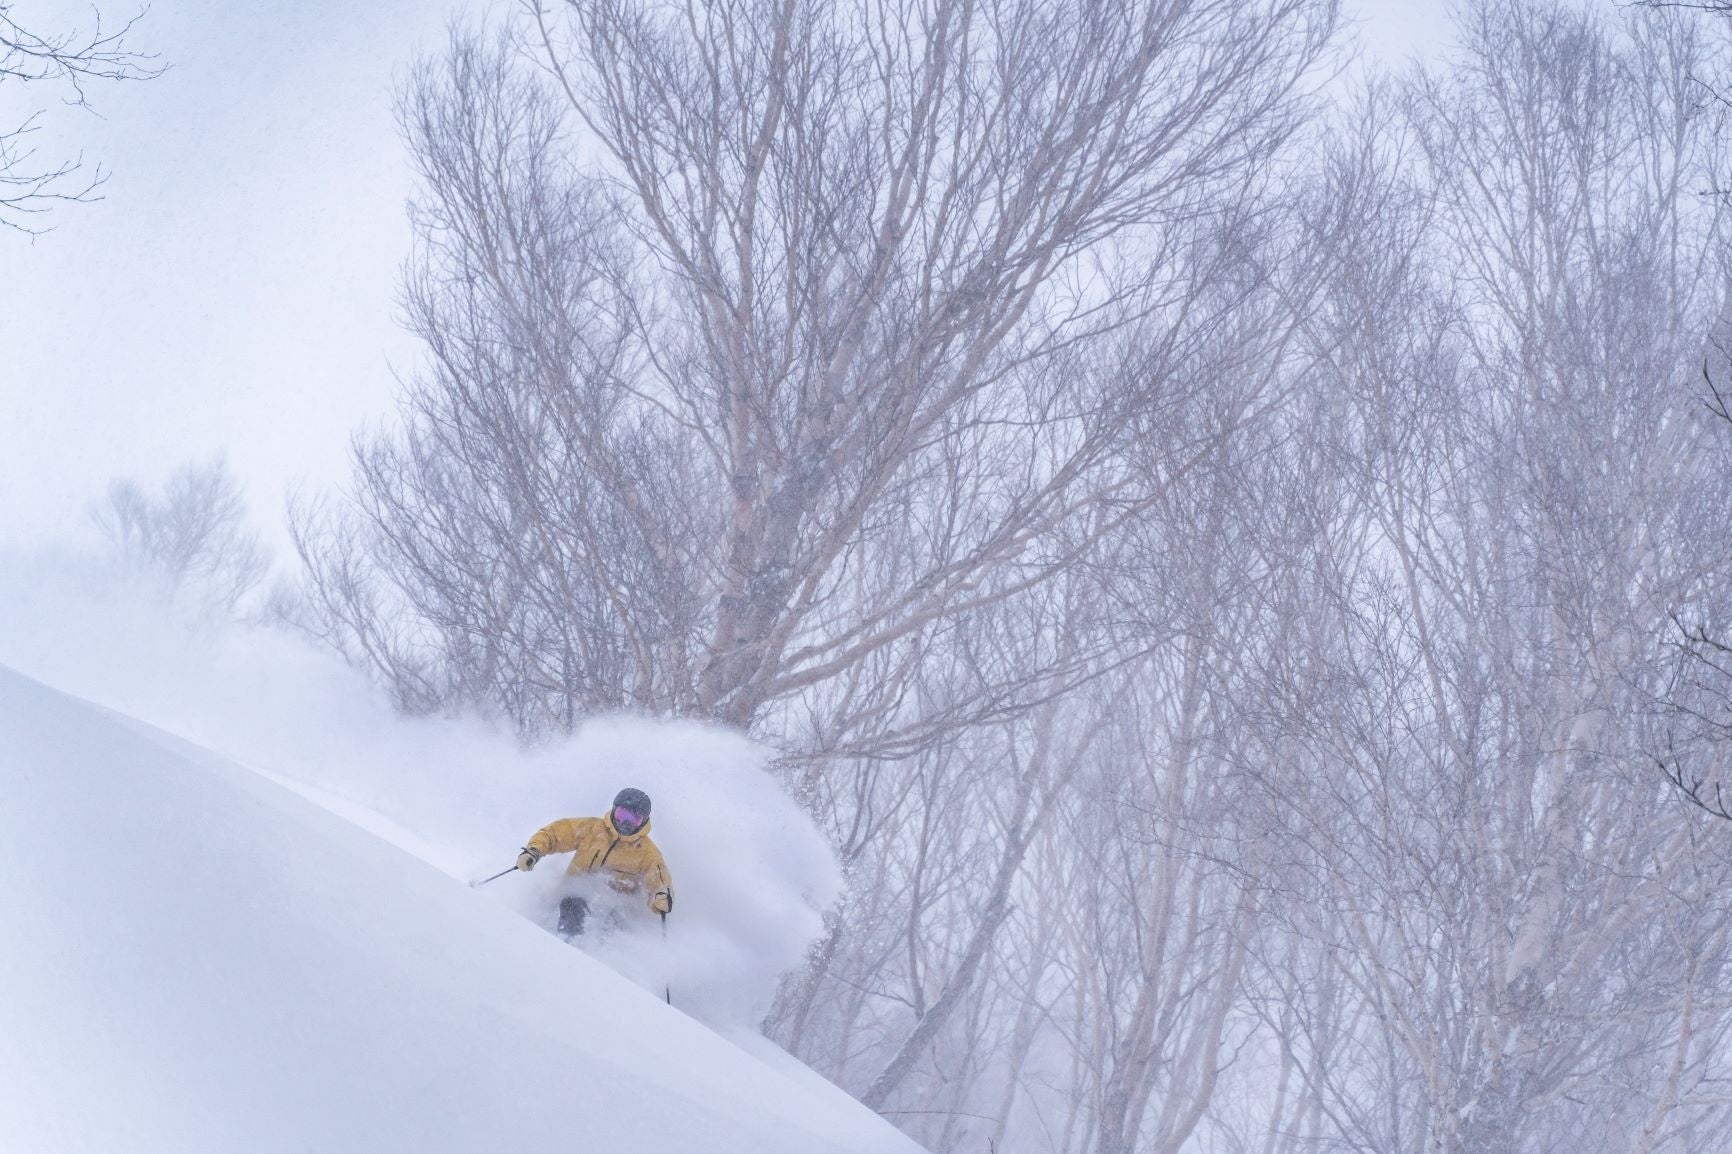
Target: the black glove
(527, 859)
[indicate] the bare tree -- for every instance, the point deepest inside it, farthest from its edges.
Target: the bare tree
(834, 344)
(66, 62)
(1693, 705)
(1483, 851)
(193, 538)
(817, 397)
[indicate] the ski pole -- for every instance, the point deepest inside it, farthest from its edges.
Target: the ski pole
(494, 878)
(667, 991)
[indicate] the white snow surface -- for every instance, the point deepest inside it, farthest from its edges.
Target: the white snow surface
(195, 958)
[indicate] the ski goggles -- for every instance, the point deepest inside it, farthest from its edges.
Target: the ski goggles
(627, 820)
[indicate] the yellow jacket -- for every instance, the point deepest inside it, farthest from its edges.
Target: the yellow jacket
(632, 861)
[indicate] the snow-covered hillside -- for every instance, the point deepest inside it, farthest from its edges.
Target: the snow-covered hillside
(196, 959)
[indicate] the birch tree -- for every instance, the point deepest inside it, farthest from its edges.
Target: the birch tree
(1493, 865)
(765, 340)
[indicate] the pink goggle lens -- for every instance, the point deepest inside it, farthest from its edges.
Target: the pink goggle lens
(627, 820)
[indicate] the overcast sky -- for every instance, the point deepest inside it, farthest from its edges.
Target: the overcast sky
(233, 292)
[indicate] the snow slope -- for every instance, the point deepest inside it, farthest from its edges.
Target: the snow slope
(195, 959)
(753, 873)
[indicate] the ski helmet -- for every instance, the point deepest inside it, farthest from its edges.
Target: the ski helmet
(630, 804)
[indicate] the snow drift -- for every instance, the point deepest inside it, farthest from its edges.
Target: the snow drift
(196, 958)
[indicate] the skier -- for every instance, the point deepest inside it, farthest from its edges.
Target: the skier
(618, 843)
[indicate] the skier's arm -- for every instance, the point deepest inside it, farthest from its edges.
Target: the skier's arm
(658, 883)
(561, 836)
